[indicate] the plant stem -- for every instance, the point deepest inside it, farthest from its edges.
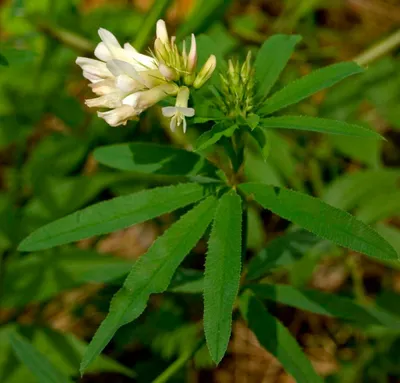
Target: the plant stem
(178, 364)
(157, 11)
(378, 50)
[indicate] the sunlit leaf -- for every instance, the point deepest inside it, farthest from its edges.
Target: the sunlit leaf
(112, 215)
(321, 219)
(154, 159)
(308, 85)
(222, 274)
(271, 59)
(277, 340)
(320, 125)
(151, 274)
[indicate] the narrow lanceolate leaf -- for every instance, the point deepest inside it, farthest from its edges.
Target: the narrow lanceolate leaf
(222, 274)
(308, 85)
(113, 215)
(37, 363)
(321, 125)
(152, 273)
(154, 159)
(321, 219)
(214, 135)
(272, 59)
(326, 304)
(276, 339)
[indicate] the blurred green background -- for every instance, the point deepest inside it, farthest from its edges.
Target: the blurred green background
(57, 298)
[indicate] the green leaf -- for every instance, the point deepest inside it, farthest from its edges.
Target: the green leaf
(366, 151)
(308, 85)
(214, 135)
(202, 15)
(112, 215)
(276, 339)
(154, 159)
(271, 59)
(37, 363)
(151, 274)
(263, 140)
(3, 60)
(63, 350)
(382, 206)
(40, 276)
(321, 219)
(321, 125)
(222, 274)
(357, 188)
(326, 304)
(145, 32)
(281, 252)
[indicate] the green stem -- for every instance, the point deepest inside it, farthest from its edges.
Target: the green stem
(157, 11)
(68, 38)
(378, 50)
(178, 364)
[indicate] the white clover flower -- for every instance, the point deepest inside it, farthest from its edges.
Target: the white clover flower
(178, 112)
(128, 82)
(120, 73)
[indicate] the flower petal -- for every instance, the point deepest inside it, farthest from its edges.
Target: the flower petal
(188, 112)
(161, 31)
(102, 52)
(127, 84)
(168, 111)
(118, 116)
(109, 39)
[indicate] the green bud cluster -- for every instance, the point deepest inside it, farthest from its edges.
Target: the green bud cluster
(236, 93)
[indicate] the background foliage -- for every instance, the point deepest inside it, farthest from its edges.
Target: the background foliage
(52, 301)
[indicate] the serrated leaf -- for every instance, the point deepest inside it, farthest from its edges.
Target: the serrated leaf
(321, 219)
(37, 363)
(212, 136)
(154, 159)
(281, 252)
(115, 214)
(222, 274)
(320, 125)
(151, 274)
(326, 304)
(271, 59)
(277, 340)
(308, 85)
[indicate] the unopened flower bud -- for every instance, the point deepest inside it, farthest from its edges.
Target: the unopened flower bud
(205, 72)
(160, 50)
(169, 73)
(192, 59)
(161, 31)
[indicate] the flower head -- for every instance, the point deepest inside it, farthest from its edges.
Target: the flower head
(178, 112)
(128, 82)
